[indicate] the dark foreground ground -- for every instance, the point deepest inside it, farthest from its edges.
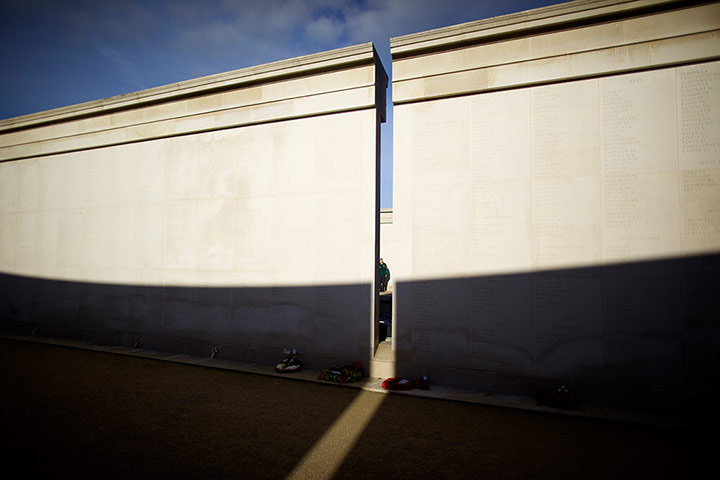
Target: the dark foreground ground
(70, 413)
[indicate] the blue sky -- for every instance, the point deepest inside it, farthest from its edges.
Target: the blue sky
(56, 53)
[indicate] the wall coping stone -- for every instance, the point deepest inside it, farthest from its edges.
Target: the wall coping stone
(337, 59)
(523, 23)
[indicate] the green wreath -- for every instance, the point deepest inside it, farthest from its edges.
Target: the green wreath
(344, 373)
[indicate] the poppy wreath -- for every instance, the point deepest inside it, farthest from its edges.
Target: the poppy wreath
(344, 373)
(400, 383)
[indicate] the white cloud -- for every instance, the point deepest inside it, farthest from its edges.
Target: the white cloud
(325, 31)
(165, 41)
(217, 35)
(123, 65)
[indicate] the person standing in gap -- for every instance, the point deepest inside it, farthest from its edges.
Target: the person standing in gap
(384, 275)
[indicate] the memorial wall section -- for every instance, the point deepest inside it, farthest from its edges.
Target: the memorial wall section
(237, 211)
(557, 196)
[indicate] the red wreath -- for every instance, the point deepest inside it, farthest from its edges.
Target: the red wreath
(400, 383)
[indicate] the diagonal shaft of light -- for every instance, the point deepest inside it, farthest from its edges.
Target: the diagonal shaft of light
(328, 453)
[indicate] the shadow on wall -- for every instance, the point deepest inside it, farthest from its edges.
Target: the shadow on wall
(328, 324)
(325, 323)
(643, 334)
(637, 334)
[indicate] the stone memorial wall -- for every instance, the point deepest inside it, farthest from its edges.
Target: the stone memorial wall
(237, 212)
(557, 194)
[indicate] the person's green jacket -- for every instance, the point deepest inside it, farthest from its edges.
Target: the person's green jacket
(384, 270)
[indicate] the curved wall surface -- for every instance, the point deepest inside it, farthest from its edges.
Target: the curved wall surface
(557, 192)
(555, 216)
(236, 211)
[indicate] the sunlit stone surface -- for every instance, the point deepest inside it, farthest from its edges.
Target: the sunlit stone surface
(557, 195)
(237, 211)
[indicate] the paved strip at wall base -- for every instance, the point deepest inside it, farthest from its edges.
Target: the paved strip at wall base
(693, 420)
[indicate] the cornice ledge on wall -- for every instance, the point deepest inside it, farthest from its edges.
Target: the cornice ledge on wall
(337, 59)
(523, 23)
